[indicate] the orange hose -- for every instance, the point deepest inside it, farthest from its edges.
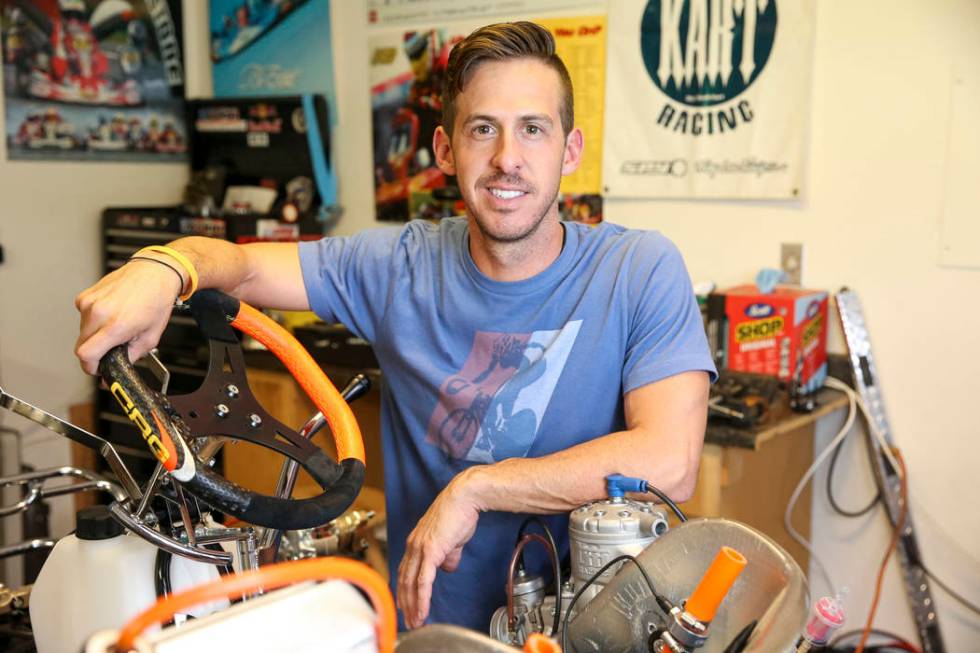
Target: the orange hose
(714, 585)
(346, 433)
(271, 577)
(538, 643)
(899, 525)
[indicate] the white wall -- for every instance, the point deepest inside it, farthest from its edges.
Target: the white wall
(49, 228)
(869, 218)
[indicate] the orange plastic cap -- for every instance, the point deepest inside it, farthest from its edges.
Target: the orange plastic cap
(538, 643)
(715, 583)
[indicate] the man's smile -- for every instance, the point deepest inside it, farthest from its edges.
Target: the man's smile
(506, 194)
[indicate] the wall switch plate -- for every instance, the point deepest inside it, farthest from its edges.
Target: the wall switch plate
(791, 262)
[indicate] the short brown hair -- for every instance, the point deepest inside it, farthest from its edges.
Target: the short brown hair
(502, 42)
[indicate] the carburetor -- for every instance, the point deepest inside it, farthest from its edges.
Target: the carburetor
(598, 532)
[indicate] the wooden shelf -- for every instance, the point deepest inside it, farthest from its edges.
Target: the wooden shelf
(749, 474)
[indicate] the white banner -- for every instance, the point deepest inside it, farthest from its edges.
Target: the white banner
(707, 98)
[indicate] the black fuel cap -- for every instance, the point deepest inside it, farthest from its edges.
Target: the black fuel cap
(96, 523)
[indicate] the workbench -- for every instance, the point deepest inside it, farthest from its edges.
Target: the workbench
(748, 474)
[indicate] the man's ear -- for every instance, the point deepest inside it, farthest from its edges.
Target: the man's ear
(443, 151)
(574, 144)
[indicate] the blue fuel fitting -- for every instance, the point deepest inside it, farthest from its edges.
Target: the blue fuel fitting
(618, 485)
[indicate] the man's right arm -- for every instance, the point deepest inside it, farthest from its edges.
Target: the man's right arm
(132, 304)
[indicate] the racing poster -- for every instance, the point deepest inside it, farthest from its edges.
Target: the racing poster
(93, 80)
(272, 47)
(407, 66)
(707, 99)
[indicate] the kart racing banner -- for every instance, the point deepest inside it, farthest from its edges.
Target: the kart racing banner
(93, 80)
(707, 99)
(408, 58)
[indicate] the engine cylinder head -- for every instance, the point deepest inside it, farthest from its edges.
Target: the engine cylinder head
(600, 531)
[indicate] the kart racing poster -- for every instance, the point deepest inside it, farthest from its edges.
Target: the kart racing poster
(272, 47)
(407, 67)
(93, 80)
(707, 99)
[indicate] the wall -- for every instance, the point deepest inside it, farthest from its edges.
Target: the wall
(869, 218)
(49, 229)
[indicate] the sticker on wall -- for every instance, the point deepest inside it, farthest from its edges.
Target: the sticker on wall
(93, 80)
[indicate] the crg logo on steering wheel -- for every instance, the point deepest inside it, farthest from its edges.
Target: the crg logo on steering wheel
(136, 417)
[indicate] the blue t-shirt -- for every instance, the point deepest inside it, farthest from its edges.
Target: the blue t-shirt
(478, 370)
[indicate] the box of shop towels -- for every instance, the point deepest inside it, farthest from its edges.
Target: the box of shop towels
(781, 334)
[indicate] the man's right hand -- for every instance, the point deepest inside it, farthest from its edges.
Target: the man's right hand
(132, 304)
(129, 305)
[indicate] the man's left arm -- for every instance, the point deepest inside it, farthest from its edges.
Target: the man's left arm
(665, 423)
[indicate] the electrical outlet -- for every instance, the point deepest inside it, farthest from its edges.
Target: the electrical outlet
(791, 262)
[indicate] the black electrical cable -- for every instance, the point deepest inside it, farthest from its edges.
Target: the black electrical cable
(967, 604)
(741, 639)
(874, 502)
(830, 485)
(161, 578)
(161, 574)
(670, 504)
(555, 561)
(884, 647)
(835, 642)
(547, 533)
(664, 604)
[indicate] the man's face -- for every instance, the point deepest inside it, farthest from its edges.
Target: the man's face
(508, 150)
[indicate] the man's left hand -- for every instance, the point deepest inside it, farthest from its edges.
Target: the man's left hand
(436, 542)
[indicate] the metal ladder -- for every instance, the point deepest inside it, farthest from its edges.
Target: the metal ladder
(866, 382)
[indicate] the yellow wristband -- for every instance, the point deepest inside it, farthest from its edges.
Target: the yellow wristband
(184, 262)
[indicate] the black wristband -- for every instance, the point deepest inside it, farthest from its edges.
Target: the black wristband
(156, 260)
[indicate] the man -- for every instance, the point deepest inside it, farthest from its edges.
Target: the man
(525, 359)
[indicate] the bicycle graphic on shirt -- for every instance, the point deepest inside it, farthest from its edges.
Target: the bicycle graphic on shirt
(505, 433)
